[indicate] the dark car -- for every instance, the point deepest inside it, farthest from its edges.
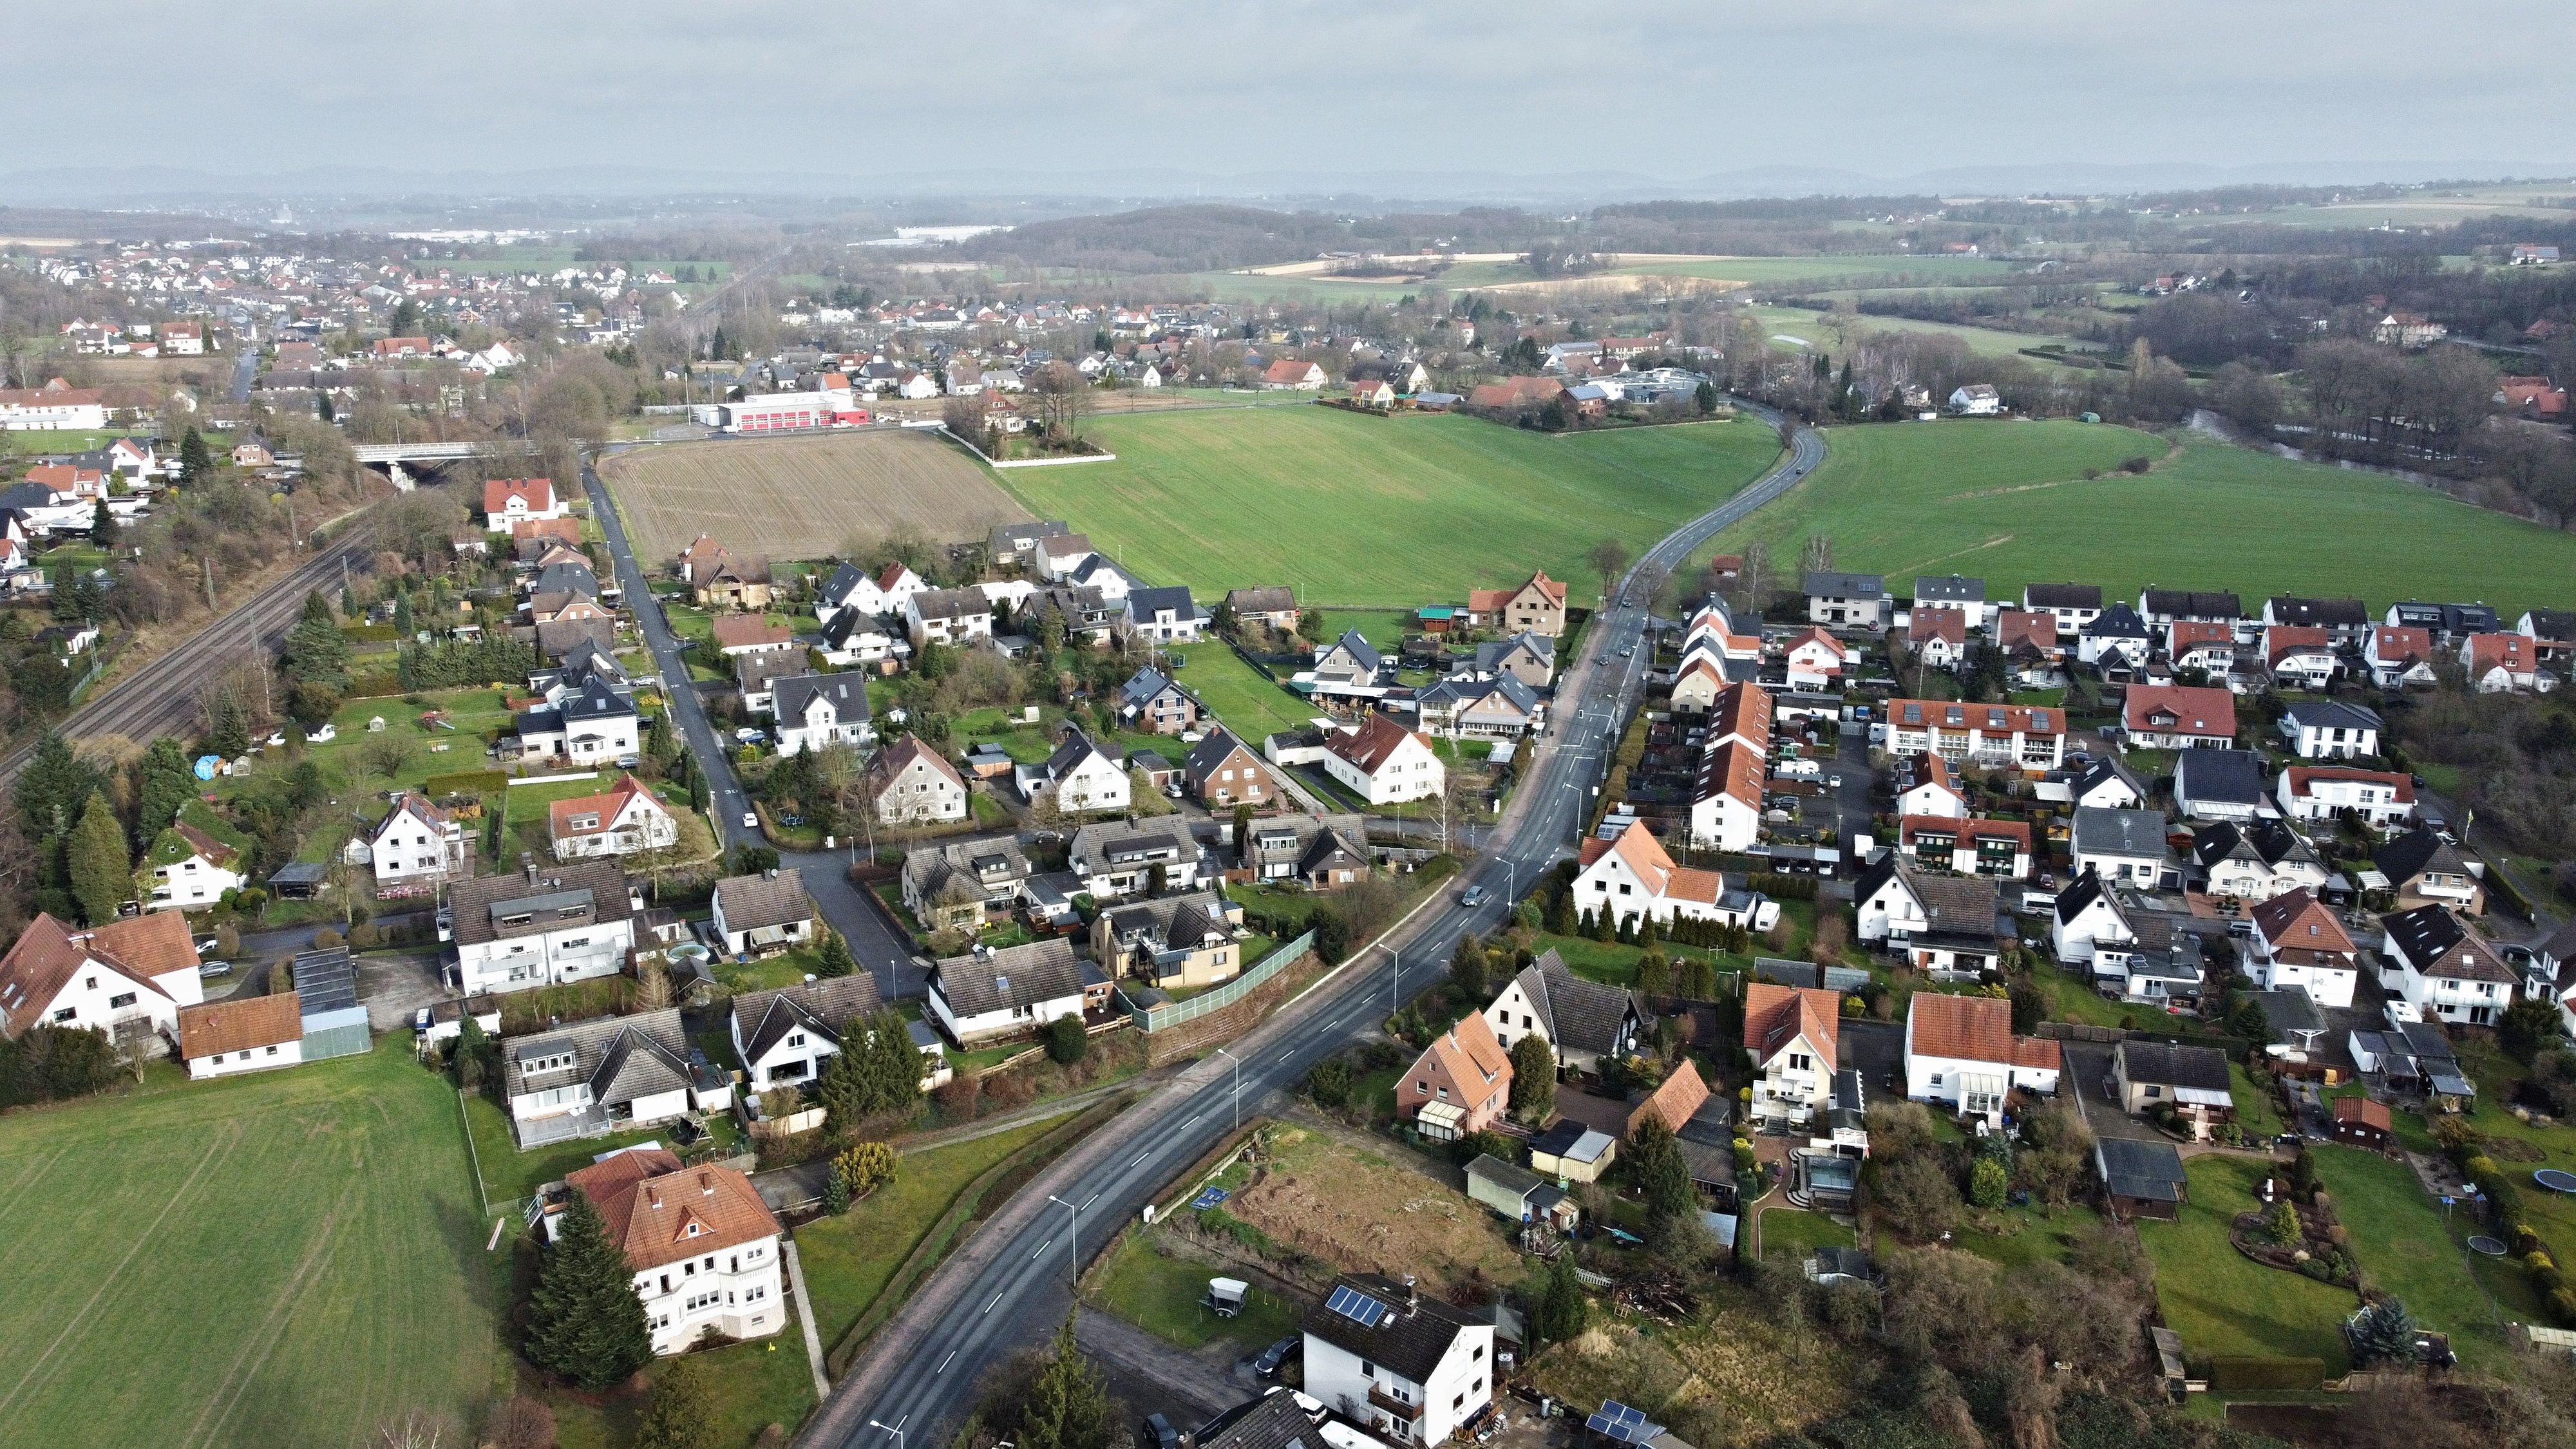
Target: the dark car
(1156, 1433)
(1271, 1360)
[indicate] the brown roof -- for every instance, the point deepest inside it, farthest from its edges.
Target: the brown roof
(1972, 1029)
(2302, 777)
(1469, 1055)
(2015, 626)
(894, 759)
(2191, 710)
(2362, 1110)
(1370, 746)
(2283, 640)
(1681, 1095)
(2297, 921)
(745, 631)
(217, 1027)
(1776, 1015)
(661, 1212)
(1733, 768)
(1927, 625)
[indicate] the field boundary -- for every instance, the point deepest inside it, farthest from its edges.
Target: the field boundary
(992, 462)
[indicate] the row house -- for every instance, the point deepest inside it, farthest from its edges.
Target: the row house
(1996, 848)
(2023, 737)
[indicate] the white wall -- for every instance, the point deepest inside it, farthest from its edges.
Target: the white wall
(255, 1059)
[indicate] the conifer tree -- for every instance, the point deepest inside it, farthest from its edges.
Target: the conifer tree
(585, 1324)
(102, 874)
(1066, 1406)
(679, 1416)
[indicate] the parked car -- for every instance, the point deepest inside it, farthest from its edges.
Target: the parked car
(630, 761)
(207, 943)
(324, 735)
(1271, 1360)
(749, 736)
(1156, 1433)
(215, 968)
(751, 820)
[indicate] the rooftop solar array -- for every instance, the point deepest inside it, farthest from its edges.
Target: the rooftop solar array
(1623, 1425)
(1356, 1306)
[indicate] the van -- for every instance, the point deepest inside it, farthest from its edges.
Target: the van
(1798, 770)
(2035, 902)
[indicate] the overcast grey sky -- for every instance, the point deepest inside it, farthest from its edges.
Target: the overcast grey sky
(1670, 90)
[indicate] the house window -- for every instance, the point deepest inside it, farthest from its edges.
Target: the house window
(66, 1014)
(120, 1001)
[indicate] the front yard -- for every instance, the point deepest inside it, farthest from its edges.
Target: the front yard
(1161, 1294)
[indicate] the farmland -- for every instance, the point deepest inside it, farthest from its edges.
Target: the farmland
(803, 497)
(1387, 511)
(287, 1258)
(2009, 502)
(1358, 1212)
(1625, 272)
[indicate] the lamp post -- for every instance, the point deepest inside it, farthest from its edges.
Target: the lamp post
(1074, 1240)
(1235, 1101)
(891, 1429)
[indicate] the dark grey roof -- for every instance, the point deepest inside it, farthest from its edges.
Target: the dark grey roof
(2190, 604)
(2268, 841)
(1947, 589)
(1274, 1421)
(2230, 777)
(2331, 714)
(2065, 596)
(1266, 599)
(2433, 941)
(1360, 649)
(2101, 831)
(2290, 1009)
(2080, 892)
(1411, 1335)
(1509, 1176)
(1119, 842)
(325, 981)
(590, 891)
(846, 693)
(2197, 1067)
(622, 1057)
(1210, 753)
(755, 671)
(2320, 613)
(2109, 768)
(597, 699)
(1013, 976)
(2119, 621)
(567, 578)
(2146, 1171)
(772, 898)
(993, 867)
(822, 1007)
(1581, 1014)
(951, 603)
(2415, 852)
(1070, 754)
(844, 582)
(300, 872)
(1956, 905)
(1842, 585)
(1145, 603)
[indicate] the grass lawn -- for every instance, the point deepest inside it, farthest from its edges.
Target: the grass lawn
(2019, 1237)
(1161, 1295)
(1796, 1233)
(1244, 702)
(749, 1386)
(2258, 1111)
(1358, 510)
(509, 1173)
(849, 1260)
(477, 714)
(281, 1258)
(2007, 501)
(2407, 1249)
(2223, 1302)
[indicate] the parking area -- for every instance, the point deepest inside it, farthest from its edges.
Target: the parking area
(392, 988)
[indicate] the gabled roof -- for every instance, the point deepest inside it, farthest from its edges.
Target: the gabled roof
(2407, 856)
(2227, 777)
(2303, 780)
(1842, 585)
(2180, 709)
(1361, 651)
(537, 495)
(1949, 589)
(2192, 604)
(2283, 640)
(2297, 920)
(621, 1057)
(846, 693)
(2330, 714)
(2197, 1067)
(1210, 754)
(48, 953)
(608, 808)
(1574, 1012)
(1775, 1016)
(1041, 971)
(2140, 1170)
(2435, 944)
(823, 1007)
(1411, 1334)
(1375, 742)
(772, 898)
(216, 1027)
(902, 755)
(2062, 596)
(2322, 613)
(1145, 603)
(2119, 621)
(2103, 831)
(1469, 1053)
(1972, 1029)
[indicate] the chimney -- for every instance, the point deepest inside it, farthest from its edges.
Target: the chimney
(1412, 1295)
(770, 874)
(528, 865)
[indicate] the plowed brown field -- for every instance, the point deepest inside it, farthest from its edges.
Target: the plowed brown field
(803, 497)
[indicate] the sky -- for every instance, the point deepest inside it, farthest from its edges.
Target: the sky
(1647, 87)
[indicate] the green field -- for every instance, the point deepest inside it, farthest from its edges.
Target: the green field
(2225, 1303)
(1248, 704)
(2008, 502)
(284, 1258)
(1162, 1296)
(1390, 512)
(1807, 327)
(2408, 1250)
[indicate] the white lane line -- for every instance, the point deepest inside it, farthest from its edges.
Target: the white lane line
(945, 1362)
(997, 1298)
(1140, 1158)
(1194, 1119)
(1095, 1197)
(1283, 1056)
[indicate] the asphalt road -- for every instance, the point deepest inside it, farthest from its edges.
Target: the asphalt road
(1010, 1285)
(872, 939)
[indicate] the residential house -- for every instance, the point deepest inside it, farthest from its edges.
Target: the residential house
(1056, 556)
(2300, 657)
(2201, 644)
(1460, 1085)
(2344, 620)
(2218, 784)
(508, 501)
(1633, 877)
(1925, 789)
(1165, 615)
(1406, 1368)
(851, 637)
(2073, 605)
(1727, 799)
(2298, 942)
(947, 616)
(2106, 784)
(986, 995)
(849, 588)
(245, 1034)
(541, 927)
(2116, 643)
(2399, 657)
(704, 1246)
(130, 976)
(783, 1037)
(1123, 858)
(1996, 848)
(194, 862)
(1179, 942)
(1817, 660)
(1960, 1051)
(1222, 771)
(757, 672)
(2553, 631)
(1155, 703)
(2160, 607)
(742, 582)
(737, 634)
(764, 914)
(610, 1073)
(2179, 717)
(815, 711)
(624, 820)
(1465, 707)
(1976, 400)
(1514, 1193)
(2423, 869)
(2030, 645)
(1953, 594)
(595, 726)
(1349, 667)
(2382, 798)
(2136, 952)
(963, 885)
(909, 783)
(1286, 374)
(2444, 969)
(416, 844)
(1321, 854)
(1384, 763)
(2504, 664)
(1794, 1035)
(1938, 637)
(1273, 606)
(2009, 736)
(2127, 847)
(2192, 1079)
(2448, 623)
(1585, 1022)
(1846, 600)
(2256, 860)
(1529, 658)
(1944, 924)
(1080, 776)
(2330, 730)
(1536, 607)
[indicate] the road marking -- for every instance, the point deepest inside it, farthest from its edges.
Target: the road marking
(1095, 1197)
(1140, 1158)
(1194, 1119)
(997, 1298)
(945, 1362)
(1283, 1056)
(1042, 1247)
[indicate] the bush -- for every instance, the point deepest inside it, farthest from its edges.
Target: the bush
(326, 938)
(364, 936)
(1329, 1084)
(1066, 1041)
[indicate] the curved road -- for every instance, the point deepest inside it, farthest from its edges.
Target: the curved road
(1009, 1286)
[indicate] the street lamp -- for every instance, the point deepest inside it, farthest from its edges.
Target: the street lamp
(1075, 1240)
(891, 1429)
(1236, 1101)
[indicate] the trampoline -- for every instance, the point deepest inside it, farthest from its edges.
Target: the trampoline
(2555, 1180)
(2486, 1247)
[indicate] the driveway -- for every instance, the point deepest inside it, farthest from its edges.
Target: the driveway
(394, 987)
(2087, 1065)
(1155, 1377)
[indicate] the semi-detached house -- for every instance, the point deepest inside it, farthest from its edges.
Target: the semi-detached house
(2382, 798)
(1986, 735)
(2444, 969)
(535, 926)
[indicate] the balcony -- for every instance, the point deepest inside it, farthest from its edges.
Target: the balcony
(1380, 1399)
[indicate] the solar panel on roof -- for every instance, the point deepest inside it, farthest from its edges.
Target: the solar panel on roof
(1356, 1306)
(1623, 1425)
(325, 981)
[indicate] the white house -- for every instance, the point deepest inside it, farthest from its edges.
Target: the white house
(910, 783)
(1944, 924)
(2218, 784)
(758, 914)
(1583, 1021)
(189, 867)
(1081, 775)
(2086, 912)
(2298, 942)
(947, 616)
(1726, 805)
(2504, 664)
(1960, 1051)
(1164, 615)
(1384, 763)
(816, 710)
(1932, 792)
(2136, 953)
(2330, 730)
(2126, 847)
(2399, 656)
(783, 1037)
(625, 819)
(849, 588)
(128, 975)
(594, 725)
(1817, 660)
(2179, 717)
(2257, 860)
(2031, 739)
(704, 1247)
(541, 926)
(608, 1073)
(2301, 656)
(1976, 400)
(223, 1038)
(2310, 794)
(1632, 876)
(2444, 968)
(987, 995)
(520, 500)
(417, 844)
(1794, 1036)
(1118, 858)
(1408, 1368)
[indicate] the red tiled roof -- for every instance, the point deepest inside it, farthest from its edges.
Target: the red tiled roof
(2180, 709)
(1676, 1101)
(233, 1025)
(1973, 1029)
(2283, 640)
(1776, 1015)
(1372, 744)
(2510, 652)
(2362, 1110)
(661, 1212)
(2302, 776)
(537, 493)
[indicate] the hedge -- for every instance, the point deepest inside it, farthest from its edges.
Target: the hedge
(2229, 1375)
(1782, 887)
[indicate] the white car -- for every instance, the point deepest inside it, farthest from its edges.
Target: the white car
(749, 736)
(751, 820)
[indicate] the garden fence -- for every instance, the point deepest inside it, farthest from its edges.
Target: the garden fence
(1165, 1016)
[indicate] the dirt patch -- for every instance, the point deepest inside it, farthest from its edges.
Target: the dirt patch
(794, 498)
(2511, 1149)
(1362, 1213)
(1728, 1378)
